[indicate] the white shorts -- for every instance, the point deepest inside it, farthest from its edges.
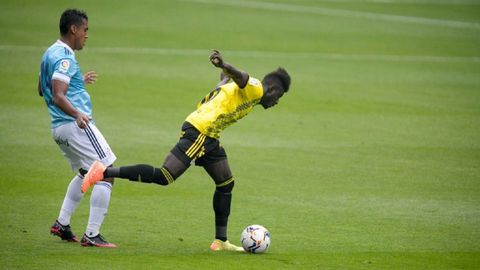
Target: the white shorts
(83, 146)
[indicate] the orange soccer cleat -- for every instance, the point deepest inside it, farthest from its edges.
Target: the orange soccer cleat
(93, 175)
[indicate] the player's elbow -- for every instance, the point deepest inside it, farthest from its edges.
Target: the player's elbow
(242, 79)
(57, 99)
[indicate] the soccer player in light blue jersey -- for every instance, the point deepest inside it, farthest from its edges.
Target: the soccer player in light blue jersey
(62, 85)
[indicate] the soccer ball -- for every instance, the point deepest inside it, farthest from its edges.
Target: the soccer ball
(255, 239)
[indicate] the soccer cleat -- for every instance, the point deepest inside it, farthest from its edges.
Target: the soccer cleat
(96, 241)
(94, 174)
(219, 245)
(62, 231)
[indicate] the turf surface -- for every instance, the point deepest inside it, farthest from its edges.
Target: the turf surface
(371, 161)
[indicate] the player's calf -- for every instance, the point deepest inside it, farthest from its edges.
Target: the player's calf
(142, 173)
(222, 199)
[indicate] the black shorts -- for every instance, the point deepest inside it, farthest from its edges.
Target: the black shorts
(194, 145)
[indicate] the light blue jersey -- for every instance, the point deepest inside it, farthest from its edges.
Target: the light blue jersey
(59, 63)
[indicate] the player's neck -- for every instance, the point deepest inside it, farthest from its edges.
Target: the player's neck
(67, 41)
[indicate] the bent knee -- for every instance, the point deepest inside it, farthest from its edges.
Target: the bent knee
(163, 177)
(226, 186)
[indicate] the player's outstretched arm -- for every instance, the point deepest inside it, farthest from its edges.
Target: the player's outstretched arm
(238, 76)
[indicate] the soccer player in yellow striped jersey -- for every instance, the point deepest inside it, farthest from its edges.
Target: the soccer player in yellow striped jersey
(226, 104)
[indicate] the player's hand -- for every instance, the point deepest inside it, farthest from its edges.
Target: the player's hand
(82, 120)
(216, 59)
(90, 77)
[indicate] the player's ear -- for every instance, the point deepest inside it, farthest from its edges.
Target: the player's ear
(73, 29)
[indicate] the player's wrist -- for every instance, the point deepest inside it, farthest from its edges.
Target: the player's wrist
(78, 115)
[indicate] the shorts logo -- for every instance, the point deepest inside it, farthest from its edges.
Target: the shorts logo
(60, 142)
(64, 65)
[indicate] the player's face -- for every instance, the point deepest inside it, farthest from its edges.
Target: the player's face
(81, 35)
(271, 96)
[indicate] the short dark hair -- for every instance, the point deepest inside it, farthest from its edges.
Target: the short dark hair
(71, 17)
(280, 75)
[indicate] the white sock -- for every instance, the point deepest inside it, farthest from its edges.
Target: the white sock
(99, 201)
(72, 198)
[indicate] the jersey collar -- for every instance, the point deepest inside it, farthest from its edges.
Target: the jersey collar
(63, 44)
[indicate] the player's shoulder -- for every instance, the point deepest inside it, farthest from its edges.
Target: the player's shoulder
(59, 50)
(254, 82)
(254, 87)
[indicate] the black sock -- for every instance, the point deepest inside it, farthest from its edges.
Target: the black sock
(111, 172)
(141, 173)
(221, 233)
(221, 206)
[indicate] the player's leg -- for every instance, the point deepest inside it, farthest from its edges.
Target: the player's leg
(65, 137)
(61, 227)
(175, 164)
(99, 203)
(89, 145)
(222, 197)
(171, 169)
(220, 172)
(71, 200)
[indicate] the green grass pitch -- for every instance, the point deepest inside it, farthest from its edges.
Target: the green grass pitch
(371, 161)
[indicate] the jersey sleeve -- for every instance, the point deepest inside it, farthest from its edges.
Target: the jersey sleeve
(254, 88)
(64, 70)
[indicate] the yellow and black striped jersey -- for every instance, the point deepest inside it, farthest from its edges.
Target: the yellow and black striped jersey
(224, 106)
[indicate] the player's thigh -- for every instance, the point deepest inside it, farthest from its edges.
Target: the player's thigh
(174, 165)
(219, 171)
(188, 146)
